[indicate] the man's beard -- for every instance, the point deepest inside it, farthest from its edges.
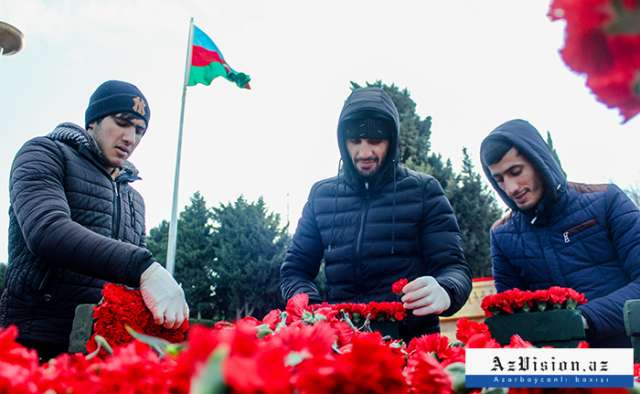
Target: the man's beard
(370, 173)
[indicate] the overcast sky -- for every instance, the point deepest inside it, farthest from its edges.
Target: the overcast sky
(471, 65)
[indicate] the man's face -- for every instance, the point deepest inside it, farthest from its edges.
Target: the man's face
(367, 154)
(517, 177)
(117, 136)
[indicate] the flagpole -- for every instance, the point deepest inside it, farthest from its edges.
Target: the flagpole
(173, 227)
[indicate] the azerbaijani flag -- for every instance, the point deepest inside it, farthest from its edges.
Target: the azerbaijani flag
(208, 63)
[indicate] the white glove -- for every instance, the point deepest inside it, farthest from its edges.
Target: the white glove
(163, 296)
(585, 323)
(425, 296)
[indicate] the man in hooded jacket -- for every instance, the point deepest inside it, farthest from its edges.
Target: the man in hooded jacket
(559, 233)
(377, 222)
(76, 222)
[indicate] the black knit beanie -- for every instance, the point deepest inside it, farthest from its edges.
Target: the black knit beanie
(368, 124)
(114, 97)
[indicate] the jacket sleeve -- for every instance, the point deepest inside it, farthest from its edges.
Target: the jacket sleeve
(505, 275)
(605, 314)
(441, 246)
(40, 205)
(302, 260)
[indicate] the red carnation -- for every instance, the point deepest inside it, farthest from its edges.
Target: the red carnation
(467, 328)
(436, 344)
(518, 342)
(121, 306)
(296, 307)
(425, 375)
(482, 340)
(602, 40)
(17, 364)
(398, 285)
(370, 367)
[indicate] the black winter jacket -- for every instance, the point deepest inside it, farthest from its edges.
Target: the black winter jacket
(372, 232)
(71, 227)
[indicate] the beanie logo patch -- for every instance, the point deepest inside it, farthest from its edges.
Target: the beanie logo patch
(139, 105)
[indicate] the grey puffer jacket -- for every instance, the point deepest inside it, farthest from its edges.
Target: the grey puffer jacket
(71, 227)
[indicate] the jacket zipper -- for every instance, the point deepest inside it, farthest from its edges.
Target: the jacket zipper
(115, 233)
(363, 218)
(576, 229)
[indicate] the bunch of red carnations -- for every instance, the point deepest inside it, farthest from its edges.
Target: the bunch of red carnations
(516, 301)
(286, 352)
(602, 41)
(120, 307)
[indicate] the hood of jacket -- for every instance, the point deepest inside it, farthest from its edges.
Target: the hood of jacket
(528, 141)
(76, 137)
(367, 100)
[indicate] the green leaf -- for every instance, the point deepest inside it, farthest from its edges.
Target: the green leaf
(102, 344)
(456, 372)
(173, 349)
(624, 20)
(345, 317)
(210, 379)
(307, 318)
(396, 344)
(295, 358)
(283, 321)
(263, 330)
(495, 390)
(318, 317)
(158, 344)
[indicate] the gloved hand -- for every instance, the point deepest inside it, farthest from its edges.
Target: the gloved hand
(585, 323)
(425, 296)
(163, 296)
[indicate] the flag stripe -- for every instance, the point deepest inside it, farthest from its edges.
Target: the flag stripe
(202, 40)
(205, 75)
(208, 63)
(203, 57)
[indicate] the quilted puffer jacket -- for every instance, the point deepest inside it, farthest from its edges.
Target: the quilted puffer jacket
(372, 232)
(586, 237)
(71, 228)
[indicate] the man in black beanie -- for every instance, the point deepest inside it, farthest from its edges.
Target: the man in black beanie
(377, 222)
(76, 222)
(559, 233)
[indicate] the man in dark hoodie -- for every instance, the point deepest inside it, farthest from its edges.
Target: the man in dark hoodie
(559, 233)
(76, 222)
(377, 222)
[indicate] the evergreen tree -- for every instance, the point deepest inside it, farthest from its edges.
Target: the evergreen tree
(476, 211)
(250, 247)
(554, 152)
(415, 136)
(157, 241)
(195, 254)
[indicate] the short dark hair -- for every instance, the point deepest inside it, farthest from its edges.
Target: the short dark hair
(128, 116)
(494, 149)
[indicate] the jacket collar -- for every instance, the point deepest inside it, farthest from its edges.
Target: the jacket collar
(76, 137)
